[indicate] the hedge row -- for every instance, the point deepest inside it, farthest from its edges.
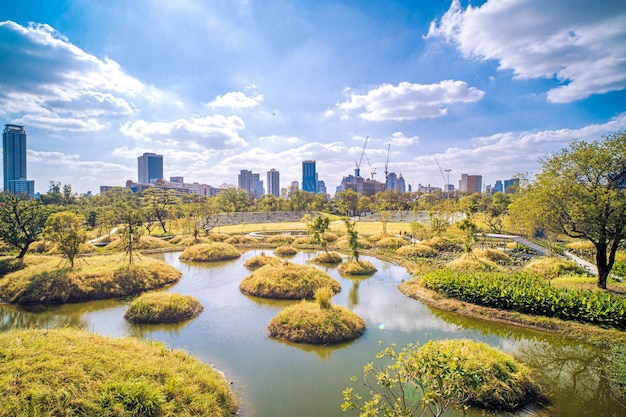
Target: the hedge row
(529, 294)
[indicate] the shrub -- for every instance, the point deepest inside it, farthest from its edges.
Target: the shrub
(529, 294)
(210, 252)
(160, 307)
(290, 281)
(306, 322)
(391, 243)
(444, 373)
(550, 267)
(416, 251)
(466, 263)
(355, 267)
(323, 296)
(285, 251)
(327, 258)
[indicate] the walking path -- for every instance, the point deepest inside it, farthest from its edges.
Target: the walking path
(588, 266)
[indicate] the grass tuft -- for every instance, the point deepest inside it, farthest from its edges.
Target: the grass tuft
(354, 267)
(285, 251)
(327, 258)
(210, 252)
(261, 260)
(162, 307)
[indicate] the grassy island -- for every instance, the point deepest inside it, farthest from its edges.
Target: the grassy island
(287, 281)
(163, 307)
(308, 322)
(355, 267)
(47, 280)
(69, 372)
(285, 250)
(327, 258)
(258, 261)
(210, 252)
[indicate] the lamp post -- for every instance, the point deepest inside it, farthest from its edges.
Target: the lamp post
(448, 188)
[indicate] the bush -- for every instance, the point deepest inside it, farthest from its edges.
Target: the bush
(285, 251)
(290, 281)
(210, 252)
(327, 258)
(323, 296)
(416, 251)
(354, 267)
(529, 294)
(391, 243)
(306, 322)
(161, 307)
(468, 263)
(550, 268)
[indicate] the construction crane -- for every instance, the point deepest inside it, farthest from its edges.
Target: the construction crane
(357, 171)
(387, 163)
(372, 170)
(441, 171)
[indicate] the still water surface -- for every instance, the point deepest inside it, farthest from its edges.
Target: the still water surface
(274, 378)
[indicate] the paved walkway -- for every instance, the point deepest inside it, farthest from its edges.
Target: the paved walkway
(591, 268)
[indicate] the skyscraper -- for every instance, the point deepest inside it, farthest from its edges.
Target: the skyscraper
(150, 167)
(250, 182)
(14, 159)
(309, 176)
(273, 182)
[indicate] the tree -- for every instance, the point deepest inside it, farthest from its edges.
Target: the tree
(581, 192)
(21, 221)
(353, 238)
(317, 230)
(347, 201)
(65, 229)
(130, 218)
(157, 202)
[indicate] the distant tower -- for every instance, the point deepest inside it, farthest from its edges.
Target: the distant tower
(150, 167)
(251, 183)
(273, 182)
(14, 159)
(309, 176)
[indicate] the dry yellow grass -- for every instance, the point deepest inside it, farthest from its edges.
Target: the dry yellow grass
(280, 239)
(327, 258)
(493, 255)
(354, 267)
(416, 251)
(145, 242)
(210, 252)
(45, 279)
(466, 263)
(241, 240)
(285, 250)
(162, 307)
(261, 260)
(550, 268)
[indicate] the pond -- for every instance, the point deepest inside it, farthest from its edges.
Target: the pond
(274, 378)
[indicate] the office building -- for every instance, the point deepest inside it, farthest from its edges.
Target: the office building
(273, 182)
(309, 176)
(150, 167)
(471, 183)
(14, 141)
(246, 180)
(511, 185)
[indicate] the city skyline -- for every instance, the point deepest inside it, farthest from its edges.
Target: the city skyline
(448, 87)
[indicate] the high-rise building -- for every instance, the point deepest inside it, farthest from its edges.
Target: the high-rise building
(14, 158)
(150, 167)
(309, 176)
(273, 182)
(511, 185)
(471, 183)
(250, 182)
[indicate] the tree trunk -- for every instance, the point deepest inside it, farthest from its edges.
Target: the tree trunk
(602, 265)
(22, 252)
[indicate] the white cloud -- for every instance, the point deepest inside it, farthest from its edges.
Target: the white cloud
(581, 45)
(399, 139)
(214, 132)
(47, 77)
(236, 100)
(408, 101)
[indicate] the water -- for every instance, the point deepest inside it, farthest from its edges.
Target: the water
(274, 378)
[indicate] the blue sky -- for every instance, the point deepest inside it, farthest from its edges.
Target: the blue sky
(217, 86)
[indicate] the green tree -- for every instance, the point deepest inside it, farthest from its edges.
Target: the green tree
(317, 230)
(347, 201)
(21, 221)
(130, 219)
(353, 238)
(65, 229)
(581, 192)
(470, 229)
(496, 208)
(157, 203)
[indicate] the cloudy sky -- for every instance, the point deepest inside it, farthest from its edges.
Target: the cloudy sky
(217, 86)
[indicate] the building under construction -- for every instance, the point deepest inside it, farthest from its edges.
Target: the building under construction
(364, 186)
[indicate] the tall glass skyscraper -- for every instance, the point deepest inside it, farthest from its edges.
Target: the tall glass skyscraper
(150, 167)
(309, 177)
(14, 161)
(273, 182)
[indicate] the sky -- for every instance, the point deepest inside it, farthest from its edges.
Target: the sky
(219, 86)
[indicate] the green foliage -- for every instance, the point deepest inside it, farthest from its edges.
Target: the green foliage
(440, 375)
(353, 238)
(323, 296)
(21, 221)
(550, 268)
(438, 224)
(65, 229)
(317, 230)
(470, 229)
(530, 294)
